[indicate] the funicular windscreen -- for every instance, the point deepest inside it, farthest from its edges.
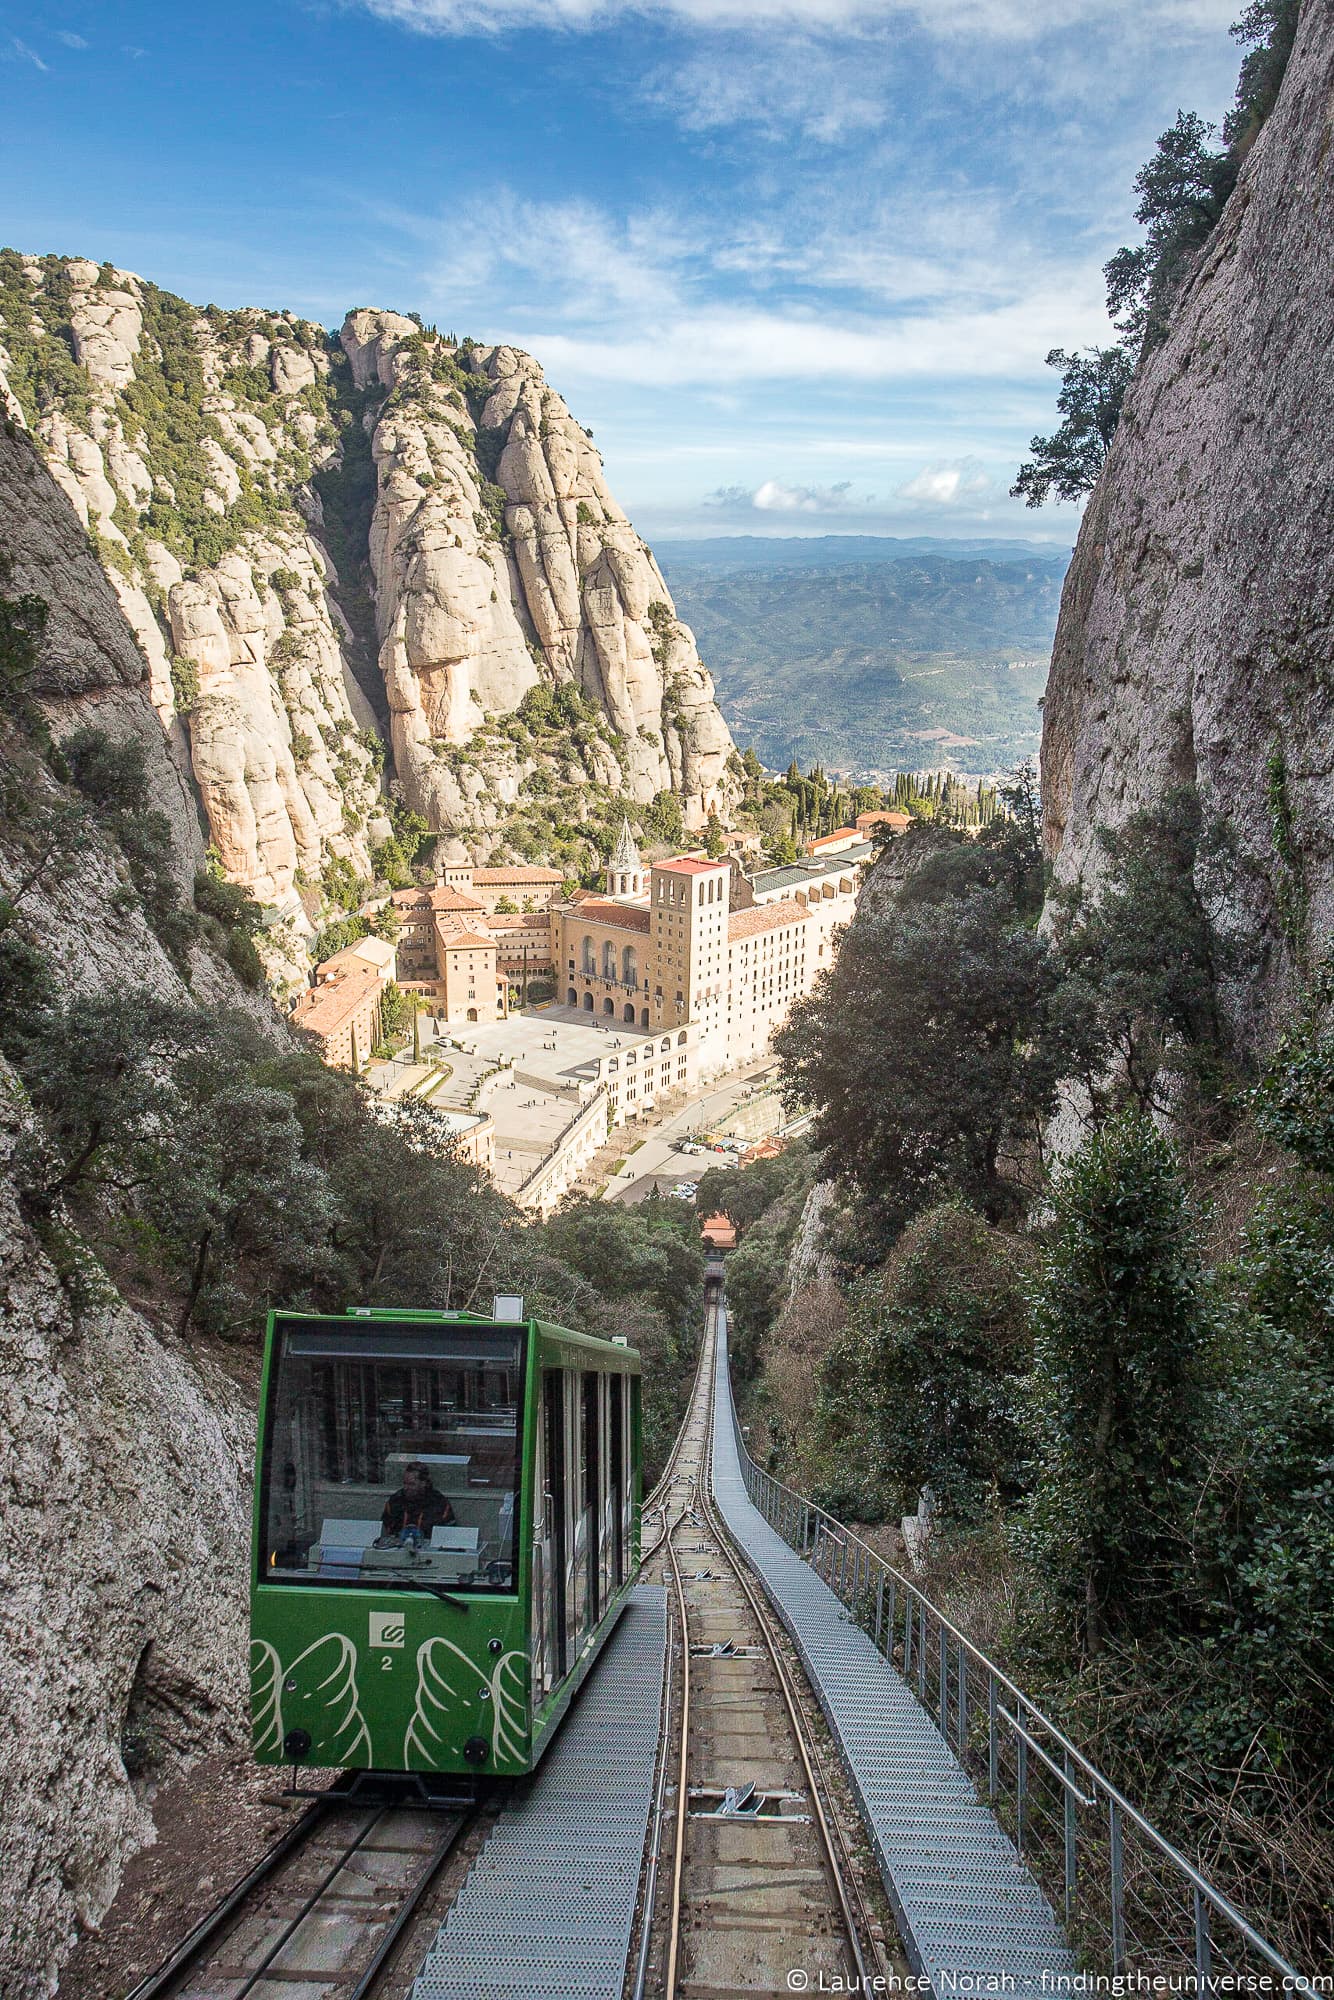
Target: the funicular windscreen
(391, 1454)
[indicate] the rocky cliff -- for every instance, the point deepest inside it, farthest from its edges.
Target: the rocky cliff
(1196, 639)
(124, 1498)
(321, 544)
(125, 1455)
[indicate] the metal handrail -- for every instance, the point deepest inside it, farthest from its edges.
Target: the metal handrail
(1119, 1806)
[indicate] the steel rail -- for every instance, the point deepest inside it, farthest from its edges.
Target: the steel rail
(430, 1874)
(682, 1782)
(157, 1985)
(293, 1924)
(839, 1864)
(650, 1894)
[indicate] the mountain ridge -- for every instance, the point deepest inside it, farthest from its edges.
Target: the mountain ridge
(333, 549)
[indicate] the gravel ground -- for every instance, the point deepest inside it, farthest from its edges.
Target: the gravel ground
(213, 1825)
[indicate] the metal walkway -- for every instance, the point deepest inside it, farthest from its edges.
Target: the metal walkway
(548, 1907)
(972, 1918)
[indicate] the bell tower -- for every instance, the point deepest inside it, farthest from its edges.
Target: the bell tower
(625, 870)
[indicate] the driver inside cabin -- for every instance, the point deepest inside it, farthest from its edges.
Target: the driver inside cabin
(416, 1506)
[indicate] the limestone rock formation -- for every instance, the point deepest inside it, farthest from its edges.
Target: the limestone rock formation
(124, 1495)
(124, 1458)
(501, 561)
(1196, 640)
(310, 538)
(182, 440)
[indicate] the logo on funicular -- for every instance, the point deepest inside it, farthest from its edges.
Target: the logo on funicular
(387, 1628)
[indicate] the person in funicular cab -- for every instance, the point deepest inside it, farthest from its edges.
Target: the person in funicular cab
(417, 1506)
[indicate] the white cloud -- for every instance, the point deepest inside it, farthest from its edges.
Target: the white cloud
(71, 41)
(946, 485)
(950, 20)
(22, 53)
(802, 85)
(651, 300)
(772, 496)
(739, 344)
(585, 262)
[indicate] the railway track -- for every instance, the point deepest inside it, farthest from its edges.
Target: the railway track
(751, 1875)
(330, 1909)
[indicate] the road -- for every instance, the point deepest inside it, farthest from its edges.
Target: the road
(660, 1156)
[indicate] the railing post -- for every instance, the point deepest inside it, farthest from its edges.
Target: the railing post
(993, 1741)
(1118, 1887)
(943, 1667)
(921, 1654)
(880, 1606)
(893, 1615)
(1204, 1953)
(1020, 1789)
(908, 1616)
(1071, 1852)
(963, 1699)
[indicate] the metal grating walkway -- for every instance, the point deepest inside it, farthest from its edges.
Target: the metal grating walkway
(973, 1919)
(548, 1907)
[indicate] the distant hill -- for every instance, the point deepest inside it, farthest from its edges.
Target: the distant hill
(872, 653)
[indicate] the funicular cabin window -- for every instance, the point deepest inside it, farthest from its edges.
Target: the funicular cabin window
(616, 1392)
(392, 1451)
(593, 1481)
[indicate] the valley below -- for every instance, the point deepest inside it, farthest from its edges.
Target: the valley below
(874, 655)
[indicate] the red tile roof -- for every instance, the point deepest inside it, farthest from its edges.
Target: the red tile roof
(766, 917)
(686, 866)
(529, 920)
(470, 940)
(842, 836)
(325, 1009)
(439, 898)
(621, 916)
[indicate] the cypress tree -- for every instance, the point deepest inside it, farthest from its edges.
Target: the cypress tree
(1119, 1401)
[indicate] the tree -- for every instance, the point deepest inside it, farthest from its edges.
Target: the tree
(1147, 956)
(923, 1385)
(743, 1194)
(100, 1071)
(625, 1251)
(714, 844)
(337, 936)
(113, 776)
(925, 1051)
(391, 863)
(1119, 1407)
(664, 820)
(1093, 388)
(1270, 26)
(1182, 188)
(232, 919)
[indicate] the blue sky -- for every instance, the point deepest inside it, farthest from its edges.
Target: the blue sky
(795, 262)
